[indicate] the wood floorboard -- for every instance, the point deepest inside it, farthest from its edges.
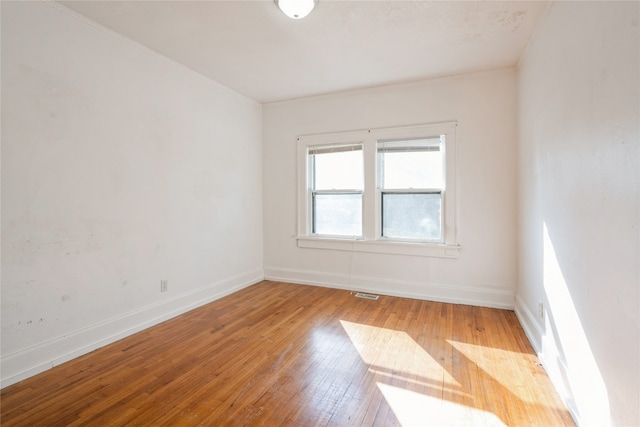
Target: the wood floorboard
(277, 354)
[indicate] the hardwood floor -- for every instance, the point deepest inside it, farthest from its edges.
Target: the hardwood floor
(285, 354)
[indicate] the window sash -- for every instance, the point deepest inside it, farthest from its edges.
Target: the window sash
(314, 211)
(312, 161)
(407, 146)
(415, 192)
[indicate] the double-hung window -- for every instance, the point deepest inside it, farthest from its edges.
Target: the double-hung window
(386, 190)
(336, 184)
(410, 189)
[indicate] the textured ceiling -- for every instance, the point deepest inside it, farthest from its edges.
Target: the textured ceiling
(254, 49)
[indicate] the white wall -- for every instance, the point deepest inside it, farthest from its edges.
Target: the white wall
(579, 167)
(120, 168)
(484, 105)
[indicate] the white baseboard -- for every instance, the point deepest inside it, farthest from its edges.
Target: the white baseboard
(548, 354)
(531, 327)
(25, 363)
(484, 297)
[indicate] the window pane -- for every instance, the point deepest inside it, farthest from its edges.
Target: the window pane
(412, 169)
(411, 216)
(337, 214)
(338, 171)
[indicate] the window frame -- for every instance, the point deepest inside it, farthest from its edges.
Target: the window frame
(313, 191)
(406, 145)
(372, 239)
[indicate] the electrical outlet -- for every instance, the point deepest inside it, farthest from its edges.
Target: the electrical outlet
(164, 285)
(540, 310)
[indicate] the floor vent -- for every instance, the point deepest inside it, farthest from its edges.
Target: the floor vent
(367, 296)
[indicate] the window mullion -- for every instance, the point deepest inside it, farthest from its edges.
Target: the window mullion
(369, 199)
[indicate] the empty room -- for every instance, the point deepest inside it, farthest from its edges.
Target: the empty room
(299, 212)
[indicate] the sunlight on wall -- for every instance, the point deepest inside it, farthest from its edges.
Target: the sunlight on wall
(584, 386)
(415, 409)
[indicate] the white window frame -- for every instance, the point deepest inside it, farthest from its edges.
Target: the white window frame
(371, 239)
(380, 192)
(311, 190)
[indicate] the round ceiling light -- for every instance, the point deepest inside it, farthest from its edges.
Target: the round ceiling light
(296, 9)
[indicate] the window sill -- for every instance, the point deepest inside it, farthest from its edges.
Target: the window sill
(381, 247)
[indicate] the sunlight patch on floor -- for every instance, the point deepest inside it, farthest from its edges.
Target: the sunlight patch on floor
(494, 362)
(415, 409)
(395, 353)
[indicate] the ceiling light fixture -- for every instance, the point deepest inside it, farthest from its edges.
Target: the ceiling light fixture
(296, 9)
